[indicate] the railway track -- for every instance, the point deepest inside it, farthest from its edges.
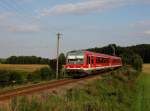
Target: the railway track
(6, 95)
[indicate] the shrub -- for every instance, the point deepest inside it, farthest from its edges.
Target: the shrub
(42, 74)
(132, 59)
(46, 73)
(11, 77)
(4, 78)
(62, 73)
(16, 78)
(34, 76)
(137, 62)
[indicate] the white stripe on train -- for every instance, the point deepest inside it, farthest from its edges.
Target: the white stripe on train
(86, 69)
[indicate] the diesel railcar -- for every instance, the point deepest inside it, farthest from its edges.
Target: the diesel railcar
(87, 62)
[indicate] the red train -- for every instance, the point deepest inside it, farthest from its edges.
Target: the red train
(86, 62)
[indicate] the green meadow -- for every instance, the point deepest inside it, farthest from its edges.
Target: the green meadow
(142, 91)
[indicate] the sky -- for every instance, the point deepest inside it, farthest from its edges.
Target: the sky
(29, 27)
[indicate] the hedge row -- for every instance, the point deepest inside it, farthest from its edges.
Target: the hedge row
(8, 78)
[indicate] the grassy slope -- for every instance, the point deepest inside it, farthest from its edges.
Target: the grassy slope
(142, 95)
(109, 94)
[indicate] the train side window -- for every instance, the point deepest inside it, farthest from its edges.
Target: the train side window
(101, 60)
(106, 60)
(97, 59)
(87, 60)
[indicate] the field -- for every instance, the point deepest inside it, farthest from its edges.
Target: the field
(18, 67)
(146, 68)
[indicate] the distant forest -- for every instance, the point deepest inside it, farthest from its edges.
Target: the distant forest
(142, 50)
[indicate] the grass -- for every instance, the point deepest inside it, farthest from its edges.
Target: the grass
(110, 94)
(142, 91)
(18, 67)
(142, 95)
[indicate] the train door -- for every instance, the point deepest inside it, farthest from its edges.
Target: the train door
(88, 61)
(92, 61)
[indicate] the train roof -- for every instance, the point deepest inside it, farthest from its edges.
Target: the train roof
(90, 52)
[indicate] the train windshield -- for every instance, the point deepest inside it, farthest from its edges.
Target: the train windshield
(75, 57)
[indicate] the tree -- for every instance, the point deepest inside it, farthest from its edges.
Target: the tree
(137, 62)
(27, 60)
(62, 59)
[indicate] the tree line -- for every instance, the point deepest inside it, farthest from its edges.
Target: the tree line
(35, 60)
(26, 60)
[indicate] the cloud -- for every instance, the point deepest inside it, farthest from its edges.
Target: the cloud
(82, 7)
(144, 22)
(24, 1)
(10, 23)
(142, 27)
(5, 15)
(86, 6)
(24, 28)
(147, 32)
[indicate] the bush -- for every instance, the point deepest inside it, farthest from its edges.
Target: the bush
(137, 62)
(34, 76)
(16, 78)
(46, 73)
(42, 74)
(62, 73)
(11, 77)
(132, 59)
(4, 78)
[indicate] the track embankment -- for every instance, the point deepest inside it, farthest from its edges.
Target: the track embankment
(6, 95)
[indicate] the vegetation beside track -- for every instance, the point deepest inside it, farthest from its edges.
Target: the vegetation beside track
(10, 78)
(113, 93)
(142, 91)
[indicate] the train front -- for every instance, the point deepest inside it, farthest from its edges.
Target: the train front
(75, 63)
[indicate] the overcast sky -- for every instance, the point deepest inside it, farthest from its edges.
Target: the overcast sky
(29, 27)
